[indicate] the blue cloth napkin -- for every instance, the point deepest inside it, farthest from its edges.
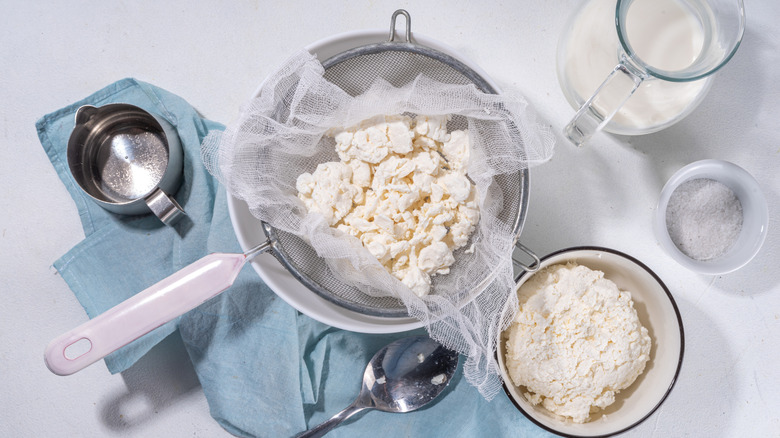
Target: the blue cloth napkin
(265, 369)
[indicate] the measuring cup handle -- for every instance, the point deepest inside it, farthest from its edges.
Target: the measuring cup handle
(165, 207)
(599, 109)
(142, 313)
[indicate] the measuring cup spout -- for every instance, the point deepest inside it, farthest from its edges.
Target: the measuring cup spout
(599, 109)
(84, 113)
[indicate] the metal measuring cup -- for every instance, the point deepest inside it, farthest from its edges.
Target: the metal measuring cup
(127, 160)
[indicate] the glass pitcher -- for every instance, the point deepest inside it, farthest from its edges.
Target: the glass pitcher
(661, 52)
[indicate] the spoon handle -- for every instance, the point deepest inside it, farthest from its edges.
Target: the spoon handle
(334, 421)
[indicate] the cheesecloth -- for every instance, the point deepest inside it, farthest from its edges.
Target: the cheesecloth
(280, 134)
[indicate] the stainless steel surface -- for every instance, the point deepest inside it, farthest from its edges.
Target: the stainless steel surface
(164, 206)
(127, 160)
(525, 267)
(403, 376)
(355, 70)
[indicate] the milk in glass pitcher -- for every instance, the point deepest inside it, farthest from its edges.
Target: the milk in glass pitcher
(657, 56)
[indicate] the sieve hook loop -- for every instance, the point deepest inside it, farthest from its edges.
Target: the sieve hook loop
(533, 267)
(408, 25)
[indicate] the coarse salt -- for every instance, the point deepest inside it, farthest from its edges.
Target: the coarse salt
(704, 218)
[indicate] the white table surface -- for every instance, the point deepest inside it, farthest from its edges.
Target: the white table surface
(55, 53)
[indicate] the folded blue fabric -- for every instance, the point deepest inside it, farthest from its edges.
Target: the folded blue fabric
(122, 255)
(266, 370)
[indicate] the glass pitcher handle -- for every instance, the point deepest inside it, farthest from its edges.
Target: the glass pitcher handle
(599, 109)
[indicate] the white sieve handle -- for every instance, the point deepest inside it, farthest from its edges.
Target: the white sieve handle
(142, 313)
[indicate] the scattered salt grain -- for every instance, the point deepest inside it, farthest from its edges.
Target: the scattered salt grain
(704, 218)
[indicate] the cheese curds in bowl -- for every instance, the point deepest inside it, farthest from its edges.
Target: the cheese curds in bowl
(656, 311)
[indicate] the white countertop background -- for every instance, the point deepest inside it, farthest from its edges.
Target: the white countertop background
(215, 54)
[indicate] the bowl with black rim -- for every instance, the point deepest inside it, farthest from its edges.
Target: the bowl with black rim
(657, 311)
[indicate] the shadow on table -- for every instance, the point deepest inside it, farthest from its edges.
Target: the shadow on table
(702, 403)
(763, 266)
(740, 92)
(154, 383)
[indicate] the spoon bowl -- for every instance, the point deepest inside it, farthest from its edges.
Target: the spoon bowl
(403, 376)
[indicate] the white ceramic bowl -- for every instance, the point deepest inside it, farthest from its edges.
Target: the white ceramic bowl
(754, 210)
(657, 312)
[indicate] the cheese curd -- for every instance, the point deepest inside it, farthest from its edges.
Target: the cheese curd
(575, 342)
(401, 188)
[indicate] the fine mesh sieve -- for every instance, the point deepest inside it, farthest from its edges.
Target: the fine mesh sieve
(399, 63)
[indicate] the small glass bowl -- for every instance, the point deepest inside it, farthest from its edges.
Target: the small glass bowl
(755, 214)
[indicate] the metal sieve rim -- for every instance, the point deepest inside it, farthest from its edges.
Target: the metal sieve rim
(273, 235)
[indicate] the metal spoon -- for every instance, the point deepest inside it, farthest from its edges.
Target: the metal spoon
(401, 377)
